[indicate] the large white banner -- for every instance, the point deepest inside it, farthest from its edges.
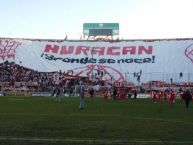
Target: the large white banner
(115, 60)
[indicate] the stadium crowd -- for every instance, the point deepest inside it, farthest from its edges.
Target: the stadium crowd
(14, 77)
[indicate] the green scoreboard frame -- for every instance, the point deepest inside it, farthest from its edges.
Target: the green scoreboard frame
(100, 29)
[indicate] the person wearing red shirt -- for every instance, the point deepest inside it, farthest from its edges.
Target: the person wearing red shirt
(154, 97)
(106, 94)
(171, 97)
(122, 95)
(181, 92)
(164, 95)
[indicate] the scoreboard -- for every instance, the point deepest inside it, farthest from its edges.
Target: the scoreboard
(100, 29)
(100, 32)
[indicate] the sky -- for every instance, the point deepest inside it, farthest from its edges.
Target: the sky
(54, 19)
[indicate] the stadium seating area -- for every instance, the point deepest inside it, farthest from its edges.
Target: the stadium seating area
(14, 77)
